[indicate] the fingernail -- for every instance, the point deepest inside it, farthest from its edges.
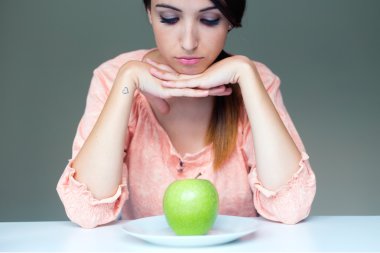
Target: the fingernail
(155, 70)
(166, 83)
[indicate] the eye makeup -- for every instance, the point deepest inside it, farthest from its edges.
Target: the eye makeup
(170, 15)
(170, 21)
(205, 21)
(210, 22)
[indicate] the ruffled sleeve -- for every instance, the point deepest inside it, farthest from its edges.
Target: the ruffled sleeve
(292, 202)
(80, 205)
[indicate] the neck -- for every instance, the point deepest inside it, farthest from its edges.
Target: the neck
(191, 107)
(190, 101)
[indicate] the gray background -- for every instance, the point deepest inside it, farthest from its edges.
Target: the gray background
(325, 52)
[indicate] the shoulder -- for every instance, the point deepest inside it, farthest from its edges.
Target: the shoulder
(105, 74)
(268, 77)
(115, 63)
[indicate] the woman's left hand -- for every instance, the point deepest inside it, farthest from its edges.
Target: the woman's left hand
(165, 72)
(226, 71)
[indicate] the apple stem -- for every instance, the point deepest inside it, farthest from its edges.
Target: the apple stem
(199, 174)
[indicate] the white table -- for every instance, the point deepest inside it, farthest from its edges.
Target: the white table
(316, 234)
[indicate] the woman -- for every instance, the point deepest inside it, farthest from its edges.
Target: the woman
(183, 108)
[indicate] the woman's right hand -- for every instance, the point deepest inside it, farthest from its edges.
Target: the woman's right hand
(147, 83)
(151, 86)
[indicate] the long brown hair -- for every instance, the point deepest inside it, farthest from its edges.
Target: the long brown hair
(223, 127)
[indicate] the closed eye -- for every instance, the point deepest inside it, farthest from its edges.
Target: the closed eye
(169, 21)
(210, 22)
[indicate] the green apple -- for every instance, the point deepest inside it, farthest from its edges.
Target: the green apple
(191, 206)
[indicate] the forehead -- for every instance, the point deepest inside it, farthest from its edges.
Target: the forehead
(184, 5)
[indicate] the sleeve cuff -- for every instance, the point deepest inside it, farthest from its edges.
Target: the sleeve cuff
(255, 182)
(82, 189)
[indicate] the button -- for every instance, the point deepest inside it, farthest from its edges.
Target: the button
(181, 164)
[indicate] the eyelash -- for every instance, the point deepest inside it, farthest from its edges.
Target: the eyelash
(170, 21)
(208, 22)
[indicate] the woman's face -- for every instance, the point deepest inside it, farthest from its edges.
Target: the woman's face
(189, 34)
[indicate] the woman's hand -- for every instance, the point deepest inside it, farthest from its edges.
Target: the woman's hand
(152, 86)
(214, 79)
(162, 71)
(161, 103)
(147, 83)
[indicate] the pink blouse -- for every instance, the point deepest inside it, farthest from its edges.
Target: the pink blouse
(151, 163)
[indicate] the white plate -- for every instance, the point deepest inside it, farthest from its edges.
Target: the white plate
(156, 230)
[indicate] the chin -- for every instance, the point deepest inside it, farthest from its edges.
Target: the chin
(190, 70)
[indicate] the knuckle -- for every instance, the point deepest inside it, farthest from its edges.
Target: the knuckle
(165, 95)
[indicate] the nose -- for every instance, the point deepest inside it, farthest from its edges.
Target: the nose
(189, 40)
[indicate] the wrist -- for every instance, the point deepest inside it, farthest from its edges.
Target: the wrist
(128, 77)
(247, 74)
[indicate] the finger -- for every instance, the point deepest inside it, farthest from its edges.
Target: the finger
(157, 65)
(161, 104)
(220, 91)
(160, 66)
(187, 92)
(184, 83)
(217, 90)
(163, 75)
(227, 92)
(192, 81)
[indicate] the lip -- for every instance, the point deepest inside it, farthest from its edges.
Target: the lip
(188, 60)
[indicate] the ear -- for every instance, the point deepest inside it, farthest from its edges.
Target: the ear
(149, 16)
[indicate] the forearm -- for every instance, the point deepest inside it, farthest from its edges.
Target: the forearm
(99, 162)
(277, 156)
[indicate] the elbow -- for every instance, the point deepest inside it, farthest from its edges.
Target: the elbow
(287, 208)
(83, 223)
(84, 215)
(294, 217)
(289, 214)
(296, 209)
(83, 209)
(90, 216)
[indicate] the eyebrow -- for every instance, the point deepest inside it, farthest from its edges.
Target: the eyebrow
(176, 9)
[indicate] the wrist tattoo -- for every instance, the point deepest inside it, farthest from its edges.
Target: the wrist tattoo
(125, 90)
